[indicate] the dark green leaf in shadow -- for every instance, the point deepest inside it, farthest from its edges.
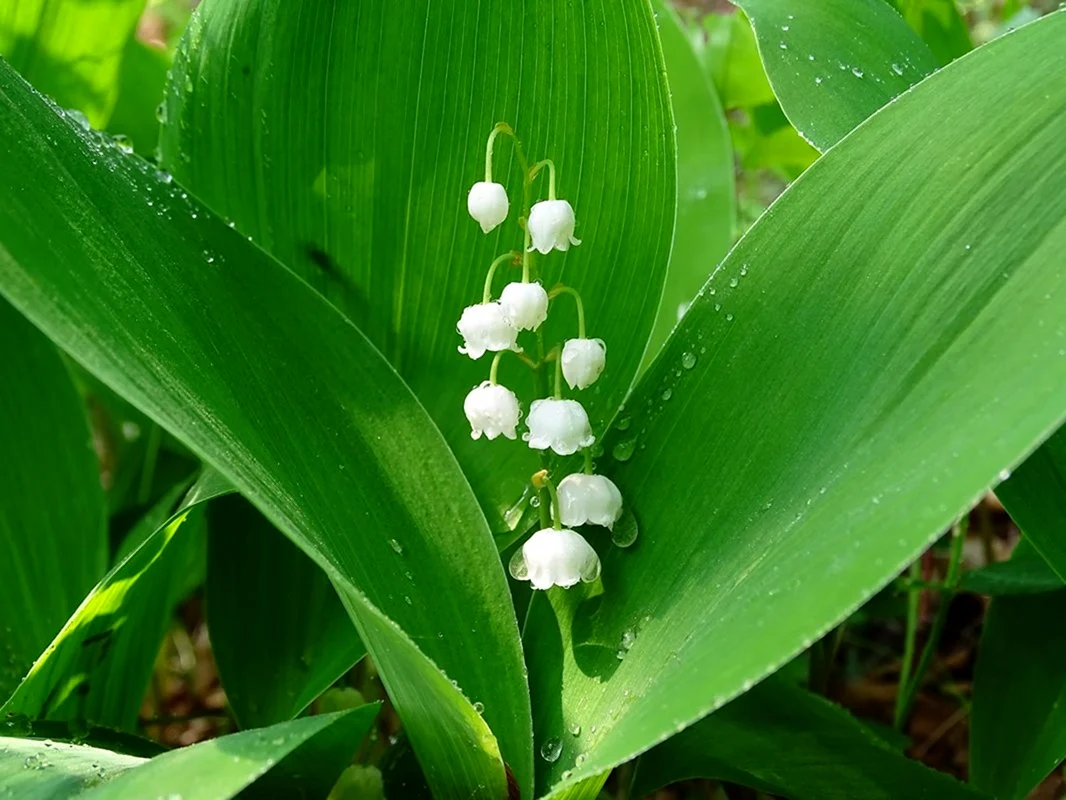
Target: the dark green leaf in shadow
(98, 667)
(279, 633)
(783, 740)
(53, 535)
(1026, 572)
(939, 24)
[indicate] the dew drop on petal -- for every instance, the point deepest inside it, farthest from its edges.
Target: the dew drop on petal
(517, 566)
(551, 750)
(590, 573)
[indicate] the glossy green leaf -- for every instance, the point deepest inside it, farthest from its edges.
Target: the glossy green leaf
(940, 25)
(42, 769)
(282, 118)
(71, 50)
(53, 534)
(299, 639)
(706, 210)
(322, 436)
(1026, 572)
(1018, 729)
(98, 667)
(808, 429)
(262, 761)
(835, 62)
(731, 58)
(785, 741)
(1035, 497)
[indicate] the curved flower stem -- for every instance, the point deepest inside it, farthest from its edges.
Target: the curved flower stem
(587, 452)
(558, 290)
(486, 295)
(551, 175)
(533, 365)
(558, 376)
(556, 515)
(500, 127)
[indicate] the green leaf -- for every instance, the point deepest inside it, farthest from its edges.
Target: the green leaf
(1027, 572)
(835, 62)
(53, 523)
(809, 427)
(264, 760)
(939, 24)
(341, 469)
(1018, 729)
(706, 210)
(36, 769)
(70, 50)
(98, 667)
(1035, 497)
(355, 177)
(140, 96)
(731, 58)
(782, 740)
(298, 641)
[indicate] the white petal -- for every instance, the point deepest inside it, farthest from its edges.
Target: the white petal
(583, 361)
(488, 204)
(484, 327)
(592, 499)
(525, 305)
(561, 425)
(492, 410)
(558, 558)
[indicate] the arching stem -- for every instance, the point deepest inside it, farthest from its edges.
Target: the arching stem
(558, 290)
(486, 296)
(551, 175)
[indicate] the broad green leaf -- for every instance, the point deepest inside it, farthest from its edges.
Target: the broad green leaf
(1035, 497)
(98, 666)
(783, 740)
(1018, 728)
(42, 769)
(706, 196)
(809, 427)
(835, 62)
(297, 641)
(261, 762)
(731, 58)
(355, 176)
(70, 50)
(940, 25)
(322, 436)
(1026, 572)
(53, 524)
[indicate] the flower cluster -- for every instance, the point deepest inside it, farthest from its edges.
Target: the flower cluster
(554, 555)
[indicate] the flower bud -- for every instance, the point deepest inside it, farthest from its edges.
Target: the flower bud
(525, 305)
(483, 327)
(492, 410)
(551, 225)
(561, 425)
(555, 558)
(583, 361)
(590, 499)
(487, 203)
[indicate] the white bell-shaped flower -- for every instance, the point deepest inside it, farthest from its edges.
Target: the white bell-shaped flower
(483, 327)
(592, 499)
(488, 204)
(551, 225)
(561, 425)
(525, 305)
(556, 558)
(583, 361)
(492, 410)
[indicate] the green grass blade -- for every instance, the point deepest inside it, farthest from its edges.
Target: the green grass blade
(809, 428)
(53, 531)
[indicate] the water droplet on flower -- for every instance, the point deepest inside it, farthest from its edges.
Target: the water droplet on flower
(551, 750)
(688, 360)
(517, 566)
(625, 531)
(395, 545)
(591, 572)
(623, 451)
